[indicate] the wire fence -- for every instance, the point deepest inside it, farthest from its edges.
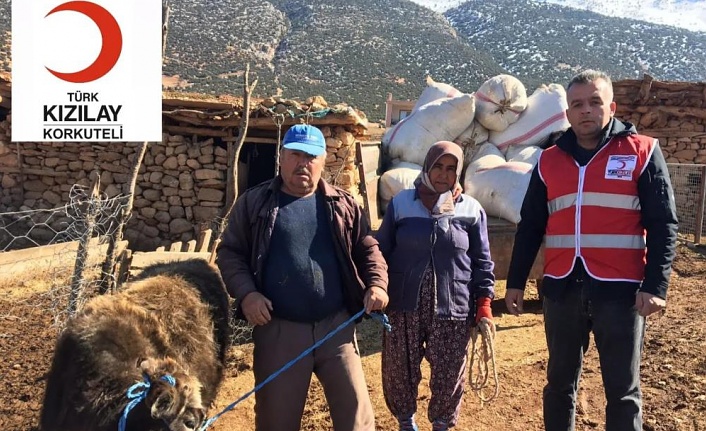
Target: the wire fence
(33, 228)
(241, 330)
(55, 258)
(689, 183)
(39, 250)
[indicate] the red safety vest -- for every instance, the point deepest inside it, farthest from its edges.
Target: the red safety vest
(594, 210)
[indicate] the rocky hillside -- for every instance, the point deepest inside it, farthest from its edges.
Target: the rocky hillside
(346, 51)
(534, 39)
(357, 51)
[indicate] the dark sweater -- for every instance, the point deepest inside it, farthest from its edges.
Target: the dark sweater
(658, 214)
(301, 275)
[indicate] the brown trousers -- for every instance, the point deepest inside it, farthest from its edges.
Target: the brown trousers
(279, 405)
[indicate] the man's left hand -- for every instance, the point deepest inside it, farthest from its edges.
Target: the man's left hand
(648, 303)
(375, 299)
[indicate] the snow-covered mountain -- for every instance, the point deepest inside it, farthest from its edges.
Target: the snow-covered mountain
(531, 38)
(687, 14)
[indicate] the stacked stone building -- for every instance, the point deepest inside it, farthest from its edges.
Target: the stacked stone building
(182, 184)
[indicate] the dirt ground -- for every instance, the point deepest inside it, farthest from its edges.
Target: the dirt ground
(673, 372)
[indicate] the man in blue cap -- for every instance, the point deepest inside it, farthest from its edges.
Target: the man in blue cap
(299, 259)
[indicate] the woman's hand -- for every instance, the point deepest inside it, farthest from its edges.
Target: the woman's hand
(483, 309)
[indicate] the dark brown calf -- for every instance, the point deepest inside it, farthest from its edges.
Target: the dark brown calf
(171, 320)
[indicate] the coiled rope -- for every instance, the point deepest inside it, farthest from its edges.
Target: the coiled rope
(482, 362)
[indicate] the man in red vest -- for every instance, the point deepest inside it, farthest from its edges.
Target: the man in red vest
(602, 201)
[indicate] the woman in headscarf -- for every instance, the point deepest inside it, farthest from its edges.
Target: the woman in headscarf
(435, 241)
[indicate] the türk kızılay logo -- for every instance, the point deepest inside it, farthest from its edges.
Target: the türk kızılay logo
(86, 71)
(111, 41)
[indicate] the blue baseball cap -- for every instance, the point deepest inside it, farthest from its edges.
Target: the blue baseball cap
(306, 138)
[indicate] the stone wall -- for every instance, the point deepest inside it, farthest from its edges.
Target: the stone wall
(180, 188)
(673, 112)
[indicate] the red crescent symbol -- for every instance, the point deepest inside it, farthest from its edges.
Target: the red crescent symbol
(111, 46)
(622, 164)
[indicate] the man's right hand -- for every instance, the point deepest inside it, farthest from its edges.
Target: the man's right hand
(256, 308)
(513, 301)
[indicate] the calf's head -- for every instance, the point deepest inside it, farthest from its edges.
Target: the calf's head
(178, 405)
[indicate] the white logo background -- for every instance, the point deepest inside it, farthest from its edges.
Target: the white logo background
(69, 41)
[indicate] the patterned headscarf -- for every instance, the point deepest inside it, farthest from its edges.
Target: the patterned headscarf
(439, 203)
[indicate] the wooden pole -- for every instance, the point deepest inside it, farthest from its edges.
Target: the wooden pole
(231, 179)
(279, 120)
(109, 281)
(21, 174)
(111, 277)
(77, 281)
(165, 27)
(242, 133)
(233, 176)
(701, 202)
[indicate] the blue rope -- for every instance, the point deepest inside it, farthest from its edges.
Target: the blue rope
(381, 317)
(135, 397)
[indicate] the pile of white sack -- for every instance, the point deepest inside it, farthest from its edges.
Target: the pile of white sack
(499, 128)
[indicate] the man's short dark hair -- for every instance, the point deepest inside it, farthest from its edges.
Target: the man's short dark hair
(588, 76)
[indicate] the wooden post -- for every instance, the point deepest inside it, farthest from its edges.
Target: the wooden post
(204, 241)
(124, 266)
(231, 180)
(644, 94)
(700, 207)
(109, 282)
(279, 120)
(363, 186)
(388, 110)
(242, 132)
(21, 175)
(77, 281)
(165, 27)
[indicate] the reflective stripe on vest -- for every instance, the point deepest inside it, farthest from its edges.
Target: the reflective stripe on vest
(594, 210)
(596, 241)
(610, 200)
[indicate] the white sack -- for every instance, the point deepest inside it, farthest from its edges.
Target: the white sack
(485, 156)
(523, 153)
(469, 152)
(440, 120)
(498, 185)
(475, 134)
(399, 178)
(435, 91)
(500, 101)
(544, 115)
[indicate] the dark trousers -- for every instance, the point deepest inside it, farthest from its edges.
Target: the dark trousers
(279, 405)
(618, 331)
